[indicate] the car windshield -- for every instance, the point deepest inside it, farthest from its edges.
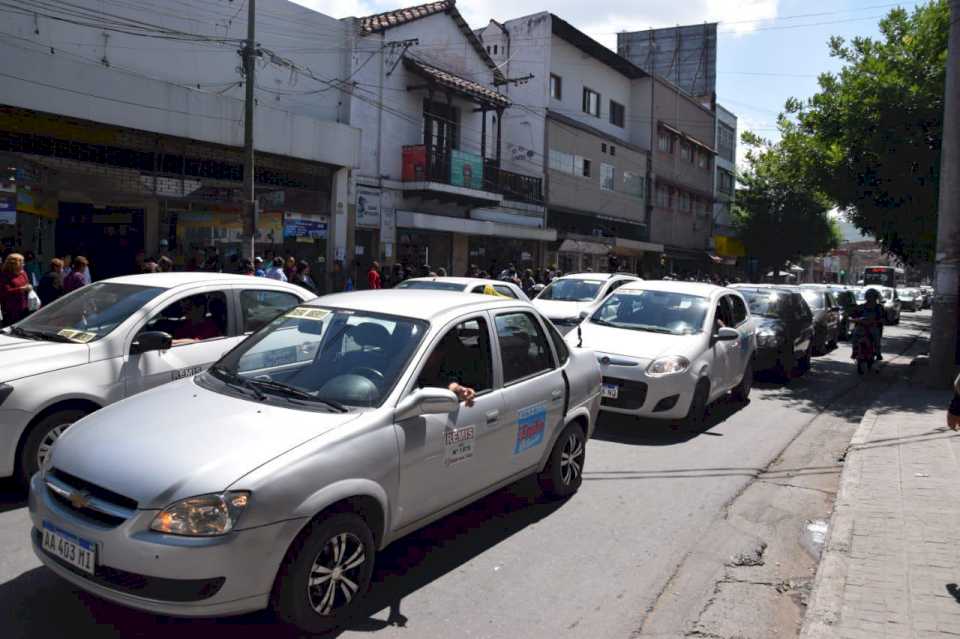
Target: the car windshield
(764, 303)
(814, 299)
(324, 356)
(571, 290)
(432, 285)
(653, 311)
(846, 298)
(862, 294)
(87, 314)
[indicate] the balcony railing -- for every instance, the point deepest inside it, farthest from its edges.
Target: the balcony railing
(423, 163)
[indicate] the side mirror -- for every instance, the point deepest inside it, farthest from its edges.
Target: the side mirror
(726, 335)
(584, 315)
(151, 341)
(427, 401)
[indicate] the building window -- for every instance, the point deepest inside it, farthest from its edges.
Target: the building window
(726, 182)
(556, 87)
(603, 147)
(581, 166)
(727, 142)
(613, 150)
(441, 125)
(617, 114)
(686, 153)
(634, 184)
(607, 177)
(494, 49)
(684, 201)
(560, 161)
(591, 102)
(663, 197)
(665, 142)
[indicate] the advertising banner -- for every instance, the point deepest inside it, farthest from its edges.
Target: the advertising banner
(368, 207)
(8, 203)
(305, 225)
(466, 169)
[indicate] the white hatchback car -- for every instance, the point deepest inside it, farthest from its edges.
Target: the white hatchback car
(668, 349)
(568, 299)
(465, 285)
(115, 338)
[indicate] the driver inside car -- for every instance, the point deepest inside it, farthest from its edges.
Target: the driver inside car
(197, 326)
(450, 366)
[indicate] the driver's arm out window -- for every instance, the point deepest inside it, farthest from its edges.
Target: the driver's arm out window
(463, 356)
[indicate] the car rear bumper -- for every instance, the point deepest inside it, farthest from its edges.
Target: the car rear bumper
(167, 574)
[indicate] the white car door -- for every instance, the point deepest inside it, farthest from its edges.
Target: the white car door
(741, 351)
(446, 458)
(724, 352)
(203, 329)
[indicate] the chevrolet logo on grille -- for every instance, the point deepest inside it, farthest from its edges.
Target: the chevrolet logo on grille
(79, 499)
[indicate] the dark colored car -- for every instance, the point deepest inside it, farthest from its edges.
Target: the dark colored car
(847, 301)
(826, 317)
(784, 326)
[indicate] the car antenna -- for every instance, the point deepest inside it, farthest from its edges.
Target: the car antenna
(579, 337)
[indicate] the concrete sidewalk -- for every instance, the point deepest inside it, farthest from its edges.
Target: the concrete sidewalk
(891, 563)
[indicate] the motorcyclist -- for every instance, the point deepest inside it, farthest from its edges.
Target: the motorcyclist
(871, 316)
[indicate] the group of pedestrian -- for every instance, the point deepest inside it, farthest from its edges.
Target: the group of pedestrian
(24, 288)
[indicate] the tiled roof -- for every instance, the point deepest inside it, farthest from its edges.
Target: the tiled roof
(455, 82)
(381, 21)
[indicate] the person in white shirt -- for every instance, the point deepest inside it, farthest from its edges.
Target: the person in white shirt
(275, 272)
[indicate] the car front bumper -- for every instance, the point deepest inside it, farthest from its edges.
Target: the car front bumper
(12, 424)
(640, 395)
(767, 358)
(166, 574)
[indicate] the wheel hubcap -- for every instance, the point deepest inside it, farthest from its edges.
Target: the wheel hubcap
(571, 459)
(47, 443)
(334, 576)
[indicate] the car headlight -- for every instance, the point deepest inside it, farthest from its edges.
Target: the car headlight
(668, 366)
(766, 337)
(5, 390)
(202, 516)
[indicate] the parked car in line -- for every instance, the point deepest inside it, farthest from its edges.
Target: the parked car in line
(668, 349)
(274, 477)
(466, 285)
(569, 299)
(784, 325)
(826, 317)
(911, 299)
(115, 338)
(890, 300)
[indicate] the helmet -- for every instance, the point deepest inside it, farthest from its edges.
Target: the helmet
(872, 293)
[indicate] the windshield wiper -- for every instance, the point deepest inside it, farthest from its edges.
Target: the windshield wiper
(296, 393)
(236, 381)
(41, 335)
(650, 329)
(19, 332)
(602, 322)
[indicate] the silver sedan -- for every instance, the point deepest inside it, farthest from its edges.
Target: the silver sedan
(275, 476)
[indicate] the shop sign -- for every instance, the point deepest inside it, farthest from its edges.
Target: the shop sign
(368, 207)
(305, 225)
(466, 169)
(8, 204)
(270, 227)
(728, 246)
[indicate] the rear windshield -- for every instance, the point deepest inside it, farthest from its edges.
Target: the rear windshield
(814, 299)
(765, 303)
(432, 285)
(572, 290)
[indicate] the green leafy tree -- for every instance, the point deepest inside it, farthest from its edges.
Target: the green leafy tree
(870, 139)
(778, 217)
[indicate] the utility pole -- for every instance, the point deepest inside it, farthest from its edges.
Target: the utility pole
(943, 334)
(249, 191)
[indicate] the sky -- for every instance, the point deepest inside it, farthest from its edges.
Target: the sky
(768, 50)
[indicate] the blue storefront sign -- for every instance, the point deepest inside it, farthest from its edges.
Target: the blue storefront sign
(304, 225)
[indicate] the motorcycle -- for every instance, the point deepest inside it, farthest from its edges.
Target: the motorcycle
(864, 350)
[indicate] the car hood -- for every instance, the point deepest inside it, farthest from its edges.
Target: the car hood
(25, 357)
(561, 310)
(641, 345)
(181, 440)
(771, 323)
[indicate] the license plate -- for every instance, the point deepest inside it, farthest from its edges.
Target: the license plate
(610, 391)
(74, 550)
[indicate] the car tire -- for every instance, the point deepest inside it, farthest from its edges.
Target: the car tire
(329, 544)
(41, 437)
(696, 416)
(563, 474)
(741, 392)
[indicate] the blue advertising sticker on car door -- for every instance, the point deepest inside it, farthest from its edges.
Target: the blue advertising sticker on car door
(532, 423)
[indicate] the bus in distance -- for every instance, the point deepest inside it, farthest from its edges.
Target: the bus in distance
(884, 276)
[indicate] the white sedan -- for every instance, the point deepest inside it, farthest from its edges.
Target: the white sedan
(466, 285)
(114, 339)
(568, 299)
(669, 349)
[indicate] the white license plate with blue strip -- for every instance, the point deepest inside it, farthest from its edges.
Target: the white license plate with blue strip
(74, 550)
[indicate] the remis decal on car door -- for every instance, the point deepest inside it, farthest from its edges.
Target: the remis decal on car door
(458, 445)
(531, 424)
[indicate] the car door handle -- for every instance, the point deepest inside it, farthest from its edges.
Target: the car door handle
(493, 416)
(557, 394)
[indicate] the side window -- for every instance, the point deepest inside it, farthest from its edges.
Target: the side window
(830, 301)
(505, 290)
(724, 314)
(192, 319)
(615, 286)
(463, 355)
(803, 310)
(523, 346)
(739, 309)
(563, 353)
(259, 307)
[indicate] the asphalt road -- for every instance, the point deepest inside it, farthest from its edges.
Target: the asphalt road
(512, 565)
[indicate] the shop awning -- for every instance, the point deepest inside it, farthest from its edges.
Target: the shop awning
(584, 247)
(634, 248)
(430, 222)
(685, 254)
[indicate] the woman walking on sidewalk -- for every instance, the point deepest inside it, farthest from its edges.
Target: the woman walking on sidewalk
(953, 413)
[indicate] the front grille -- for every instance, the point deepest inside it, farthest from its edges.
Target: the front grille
(160, 588)
(632, 394)
(98, 505)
